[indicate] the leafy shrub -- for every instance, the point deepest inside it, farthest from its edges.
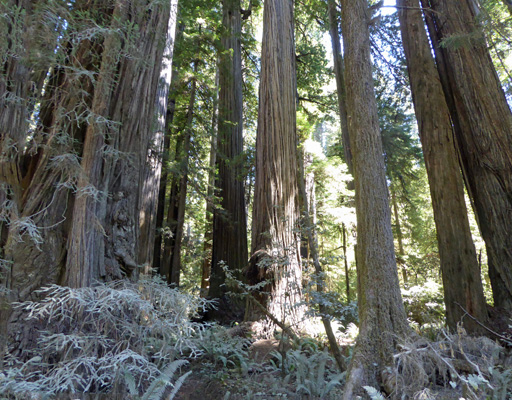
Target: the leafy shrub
(424, 304)
(220, 347)
(111, 338)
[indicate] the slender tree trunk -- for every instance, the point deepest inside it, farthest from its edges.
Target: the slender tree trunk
(172, 210)
(153, 167)
(339, 72)
(398, 228)
(162, 189)
(310, 230)
(275, 241)
(229, 221)
(459, 265)
(381, 312)
(345, 262)
(179, 221)
(483, 123)
(210, 205)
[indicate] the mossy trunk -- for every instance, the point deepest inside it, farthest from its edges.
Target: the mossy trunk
(382, 316)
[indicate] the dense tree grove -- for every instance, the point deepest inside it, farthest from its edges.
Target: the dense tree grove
(245, 198)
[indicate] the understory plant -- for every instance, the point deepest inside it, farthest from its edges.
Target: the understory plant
(122, 338)
(312, 370)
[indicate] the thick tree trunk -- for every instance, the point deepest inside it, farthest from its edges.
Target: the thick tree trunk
(105, 228)
(483, 123)
(381, 312)
(459, 265)
(229, 221)
(275, 240)
(86, 246)
(339, 72)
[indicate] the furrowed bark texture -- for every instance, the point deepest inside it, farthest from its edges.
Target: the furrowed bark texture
(459, 264)
(106, 242)
(483, 122)
(381, 312)
(92, 135)
(275, 241)
(229, 221)
(39, 222)
(339, 72)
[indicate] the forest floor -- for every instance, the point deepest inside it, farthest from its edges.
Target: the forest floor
(136, 341)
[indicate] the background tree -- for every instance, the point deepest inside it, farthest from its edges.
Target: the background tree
(229, 221)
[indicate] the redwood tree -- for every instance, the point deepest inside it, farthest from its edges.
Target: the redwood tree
(339, 73)
(275, 241)
(76, 216)
(381, 312)
(229, 221)
(459, 265)
(483, 122)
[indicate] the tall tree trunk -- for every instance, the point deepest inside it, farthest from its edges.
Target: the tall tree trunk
(229, 221)
(86, 246)
(483, 123)
(459, 264)
(275, 241)
(105, 229)
(381, 312)
(210, 205)
(339, 72)
(172, 209)
(162, 190)
(153, 167)
(177, 204)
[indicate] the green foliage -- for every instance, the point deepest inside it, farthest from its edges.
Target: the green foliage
(312, 372)
(105, 339)
(425, 306)
(373, 393)
(219, 347)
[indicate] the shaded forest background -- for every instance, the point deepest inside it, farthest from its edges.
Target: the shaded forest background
(214, 199)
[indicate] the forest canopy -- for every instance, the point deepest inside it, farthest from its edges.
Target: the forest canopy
(255, 199)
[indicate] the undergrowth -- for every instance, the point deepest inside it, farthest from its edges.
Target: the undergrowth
(126, 339)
